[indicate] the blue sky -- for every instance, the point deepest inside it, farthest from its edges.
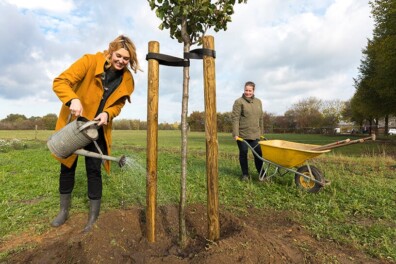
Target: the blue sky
(291, 49)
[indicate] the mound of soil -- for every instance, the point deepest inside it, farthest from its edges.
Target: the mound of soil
(119, 237)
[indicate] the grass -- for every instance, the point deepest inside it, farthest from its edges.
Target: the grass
(357, 209)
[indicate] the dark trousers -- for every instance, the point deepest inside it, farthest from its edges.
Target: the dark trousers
(243, 155)
(93, 170)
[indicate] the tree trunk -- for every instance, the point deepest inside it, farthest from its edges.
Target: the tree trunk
(184, 134)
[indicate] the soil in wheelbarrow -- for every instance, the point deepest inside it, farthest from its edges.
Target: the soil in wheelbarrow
(120, 237)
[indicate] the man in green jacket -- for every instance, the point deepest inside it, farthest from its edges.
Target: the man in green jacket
(247, 123)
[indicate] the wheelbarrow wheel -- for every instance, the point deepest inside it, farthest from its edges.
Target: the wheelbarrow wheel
(306, 183)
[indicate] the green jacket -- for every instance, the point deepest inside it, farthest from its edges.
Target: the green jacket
(247, 118)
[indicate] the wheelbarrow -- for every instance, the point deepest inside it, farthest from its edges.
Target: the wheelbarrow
(287, 156)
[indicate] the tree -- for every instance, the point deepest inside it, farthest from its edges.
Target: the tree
(384, 35)
(332, 112)
(188, 21)
(14, 118)
(306, 113)
(224, 122)
(49, 121)
(268, 120)
(375, 85)
(196, 121)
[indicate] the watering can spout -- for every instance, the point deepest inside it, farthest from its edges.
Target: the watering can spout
(121, 160)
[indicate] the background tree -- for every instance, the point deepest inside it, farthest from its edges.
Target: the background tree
(283, 124)
(268, 120)
(224, 122)
(196, 121)
(384, 35)
(306, 113)
(188, 21)
(14, 118)
(49, 121)
(375, 94)
(332, 112)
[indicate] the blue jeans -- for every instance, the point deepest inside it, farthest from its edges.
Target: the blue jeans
(243, 155)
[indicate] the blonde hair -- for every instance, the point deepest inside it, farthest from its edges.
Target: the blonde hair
(126, 43)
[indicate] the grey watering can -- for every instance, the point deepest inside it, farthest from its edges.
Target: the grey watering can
(74, 137)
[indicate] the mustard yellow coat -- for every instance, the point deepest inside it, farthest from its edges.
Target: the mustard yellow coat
(82, 80)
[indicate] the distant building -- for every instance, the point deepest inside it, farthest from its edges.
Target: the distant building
(391, 122)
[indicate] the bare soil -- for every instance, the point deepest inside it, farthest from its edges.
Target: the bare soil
(119, 236)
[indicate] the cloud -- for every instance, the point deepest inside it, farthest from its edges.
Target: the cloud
(291, 50)
(58, 6)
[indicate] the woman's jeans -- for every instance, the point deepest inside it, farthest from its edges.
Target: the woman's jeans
(243, 155)
(93, 170)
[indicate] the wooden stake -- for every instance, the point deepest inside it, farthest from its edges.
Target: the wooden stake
(211, 142)
(152, 141)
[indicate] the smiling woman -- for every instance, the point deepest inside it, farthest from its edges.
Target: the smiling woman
(95, 87)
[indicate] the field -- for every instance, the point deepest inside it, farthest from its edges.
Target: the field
(353, 220)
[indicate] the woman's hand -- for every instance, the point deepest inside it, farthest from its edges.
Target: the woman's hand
(76, 107)
(103, 118)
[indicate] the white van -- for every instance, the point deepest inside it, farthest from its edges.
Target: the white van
(392, 131)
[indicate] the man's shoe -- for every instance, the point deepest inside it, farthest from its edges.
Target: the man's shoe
(245, 178)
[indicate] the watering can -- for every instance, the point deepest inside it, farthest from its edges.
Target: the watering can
(74, 137)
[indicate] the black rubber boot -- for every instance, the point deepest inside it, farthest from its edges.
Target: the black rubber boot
(60, 219)
(94, 209)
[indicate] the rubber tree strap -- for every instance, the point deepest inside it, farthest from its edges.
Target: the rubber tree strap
(199, 54)
(168, 60)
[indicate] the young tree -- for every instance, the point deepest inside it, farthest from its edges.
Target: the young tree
(188, 21)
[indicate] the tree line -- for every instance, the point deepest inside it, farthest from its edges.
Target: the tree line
(309, 115)
(375, 94)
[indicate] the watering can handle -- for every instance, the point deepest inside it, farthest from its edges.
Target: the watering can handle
(88, 124)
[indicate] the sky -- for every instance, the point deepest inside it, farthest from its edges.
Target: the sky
(291, 49)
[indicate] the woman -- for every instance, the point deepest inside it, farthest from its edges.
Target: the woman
(247, 123)
(95, 87)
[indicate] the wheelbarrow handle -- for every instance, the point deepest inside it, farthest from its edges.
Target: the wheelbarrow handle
(344, 143)
(333, 145)
(261, 138)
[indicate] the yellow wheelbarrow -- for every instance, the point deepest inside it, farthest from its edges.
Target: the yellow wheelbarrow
(287, 156)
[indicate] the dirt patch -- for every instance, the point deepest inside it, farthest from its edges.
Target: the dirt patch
(119, 237)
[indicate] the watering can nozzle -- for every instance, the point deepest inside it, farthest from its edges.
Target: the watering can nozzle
(122, 161)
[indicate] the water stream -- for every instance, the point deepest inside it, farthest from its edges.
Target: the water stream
(132, 164)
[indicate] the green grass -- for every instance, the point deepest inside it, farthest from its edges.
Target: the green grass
(358, 208)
